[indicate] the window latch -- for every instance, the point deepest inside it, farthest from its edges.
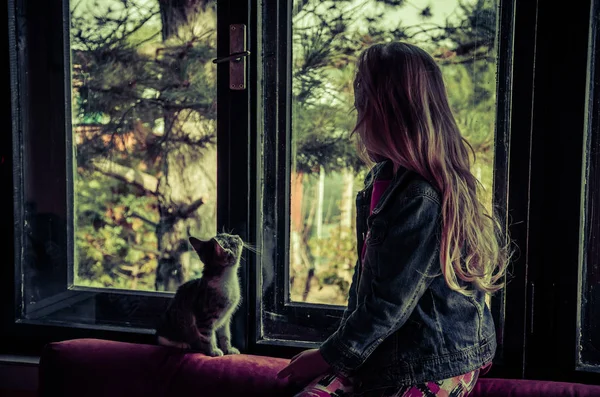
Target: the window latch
(237, 57)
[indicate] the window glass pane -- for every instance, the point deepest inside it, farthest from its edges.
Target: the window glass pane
(327, 37)
(589, 322)
(109, 201)
(144, 126)
(589, 326)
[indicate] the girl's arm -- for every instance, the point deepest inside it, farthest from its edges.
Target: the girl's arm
(402, 265)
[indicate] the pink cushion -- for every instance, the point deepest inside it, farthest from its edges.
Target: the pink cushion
(92, 367)
(489, 387)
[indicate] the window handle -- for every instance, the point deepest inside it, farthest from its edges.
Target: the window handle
(235, 57)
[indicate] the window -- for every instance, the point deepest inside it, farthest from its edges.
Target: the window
(305, 281)
(588, 356)
(559, 201)
(326, 172)
(119, 164)
(103, 111)
(144, 137)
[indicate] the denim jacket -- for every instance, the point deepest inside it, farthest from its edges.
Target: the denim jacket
(403, 324)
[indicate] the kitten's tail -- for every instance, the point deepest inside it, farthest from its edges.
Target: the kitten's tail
(166, 342)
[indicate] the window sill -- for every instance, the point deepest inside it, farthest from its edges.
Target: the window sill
(13, 359)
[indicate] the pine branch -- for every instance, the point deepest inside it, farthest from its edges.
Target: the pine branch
(143, 249)
(186, 210)
(466, 48)
(145, 181)
(466, 60)
(125, 93)
(199, 142)
(143, 218)
(168, 105)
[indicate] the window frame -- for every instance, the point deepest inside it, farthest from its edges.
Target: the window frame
(322, 320)
(556, 196)
(590, 246)
(274, 186)
(30, 25)
(523, 28)
(515, 114)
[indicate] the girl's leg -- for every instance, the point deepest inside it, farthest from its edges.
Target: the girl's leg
(328, 385)
(459, 386)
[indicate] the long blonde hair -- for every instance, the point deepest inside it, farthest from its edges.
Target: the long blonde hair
(404, 116)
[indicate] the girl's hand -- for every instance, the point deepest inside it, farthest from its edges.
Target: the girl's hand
(305, 367)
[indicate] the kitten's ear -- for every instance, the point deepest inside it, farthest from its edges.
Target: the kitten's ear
(211, 245)
(199, 245)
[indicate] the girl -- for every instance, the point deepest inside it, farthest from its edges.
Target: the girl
(417, 323)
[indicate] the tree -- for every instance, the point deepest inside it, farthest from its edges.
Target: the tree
(328, 36)
(144, 93)
(144, 75)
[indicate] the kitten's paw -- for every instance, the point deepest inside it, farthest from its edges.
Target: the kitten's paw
(216, 352)
(232, 350)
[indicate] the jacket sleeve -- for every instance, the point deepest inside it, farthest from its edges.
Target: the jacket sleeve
(402, 265)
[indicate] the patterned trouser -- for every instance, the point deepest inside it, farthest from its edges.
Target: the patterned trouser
(331, 385)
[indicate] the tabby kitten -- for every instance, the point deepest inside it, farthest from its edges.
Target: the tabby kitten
(200, 313)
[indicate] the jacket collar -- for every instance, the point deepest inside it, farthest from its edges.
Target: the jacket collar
(384, 170)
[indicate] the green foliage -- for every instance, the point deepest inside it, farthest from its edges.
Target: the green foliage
(337, 258)
(115, 247)
(127, 80)
(327, 37)
(130, 83)
(472, 93)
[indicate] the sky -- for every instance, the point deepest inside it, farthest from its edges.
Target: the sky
(441, 9)
(408, 13)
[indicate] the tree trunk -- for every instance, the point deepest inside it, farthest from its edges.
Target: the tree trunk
(478, 172)
(312, 265)
(320, 202)
(296, 225)
(190, 176)
(188, 171)
(177, 14)
(347, 200)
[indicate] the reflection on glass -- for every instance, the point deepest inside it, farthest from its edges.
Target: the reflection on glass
(144, 134)
(588, 335)
(327, 38)
(589, 322)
